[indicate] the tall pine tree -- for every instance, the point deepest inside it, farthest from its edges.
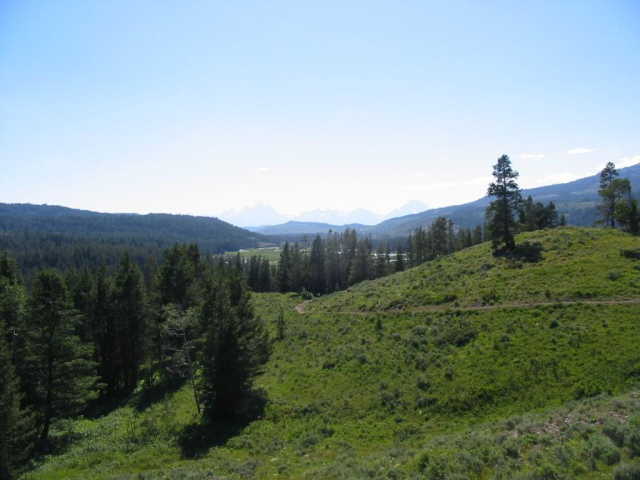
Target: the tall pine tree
(500, 213)
(60, 370)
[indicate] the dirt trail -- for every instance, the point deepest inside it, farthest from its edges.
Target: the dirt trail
(301, 307)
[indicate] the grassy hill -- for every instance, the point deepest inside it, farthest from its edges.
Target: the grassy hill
(565, 264)
(394, 379)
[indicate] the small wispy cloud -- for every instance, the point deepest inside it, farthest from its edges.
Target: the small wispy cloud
(263, 170)
(628, 161)
(579, 150)
(531, 156)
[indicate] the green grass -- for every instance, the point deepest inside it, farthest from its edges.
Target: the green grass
(270, 253)
(527, 392)
(577, 264)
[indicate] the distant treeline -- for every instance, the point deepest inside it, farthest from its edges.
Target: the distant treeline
(153, 230)
(338, 260)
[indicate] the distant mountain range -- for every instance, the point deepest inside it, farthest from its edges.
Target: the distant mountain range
(257, 216)
(577, 200)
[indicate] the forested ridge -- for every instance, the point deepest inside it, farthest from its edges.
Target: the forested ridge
(154, 229)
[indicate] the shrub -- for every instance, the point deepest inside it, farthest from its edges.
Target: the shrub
(631, 253)
(633, 442)
(615, 431)
(614, 276)
(602, 448)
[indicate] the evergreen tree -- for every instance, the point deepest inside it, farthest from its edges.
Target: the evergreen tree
(361, 265)
(16, 428)
(607, 208)
(380, 267)
(9, 405)
(400, 260)
(59, 367)
(626, 207)
(236, 347)
(284, 270)
(265, 276)
(440, 233)
(335, 279)
(500, 212)
(104, 326)
(128, 306)
(317, 269)
(177, 275)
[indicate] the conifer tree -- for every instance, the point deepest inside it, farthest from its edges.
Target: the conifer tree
(104, 326)
(361, 266)
(128, 306)
(317, 270)
(284, 270)
(608, 206)
(9, 405)
(500, 213)
(236, 347)
(400, 259)
(60, 371)
(265, 276)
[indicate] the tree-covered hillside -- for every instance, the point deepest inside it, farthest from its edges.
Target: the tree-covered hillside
(154, 230)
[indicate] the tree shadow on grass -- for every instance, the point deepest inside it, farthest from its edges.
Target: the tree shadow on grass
(524, 252)
(196, 439)
(156, 392)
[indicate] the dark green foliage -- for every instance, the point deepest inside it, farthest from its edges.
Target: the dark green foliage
(236, 348)
(608, 194)
(500, 212)
(284, 270)
(164, 230)
(9, 405)
(317, 270)
(129, 319)
(536, 215)
(59, 373)
(177, 275)
(617, 203)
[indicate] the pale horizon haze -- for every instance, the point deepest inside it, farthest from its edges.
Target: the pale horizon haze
(206, 107)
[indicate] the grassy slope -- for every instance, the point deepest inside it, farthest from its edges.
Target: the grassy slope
(577, 264)
(444, 394)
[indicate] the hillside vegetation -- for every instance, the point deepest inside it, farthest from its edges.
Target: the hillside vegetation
(410, 376)
(565, 264)
(155, 230)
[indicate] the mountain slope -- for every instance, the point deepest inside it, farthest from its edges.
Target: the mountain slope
(211, 234)
(309, 228)
(447, 393)
(577, 200)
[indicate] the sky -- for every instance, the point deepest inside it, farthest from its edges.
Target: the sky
(203, 106)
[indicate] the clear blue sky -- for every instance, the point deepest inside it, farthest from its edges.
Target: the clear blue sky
(198, 107)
